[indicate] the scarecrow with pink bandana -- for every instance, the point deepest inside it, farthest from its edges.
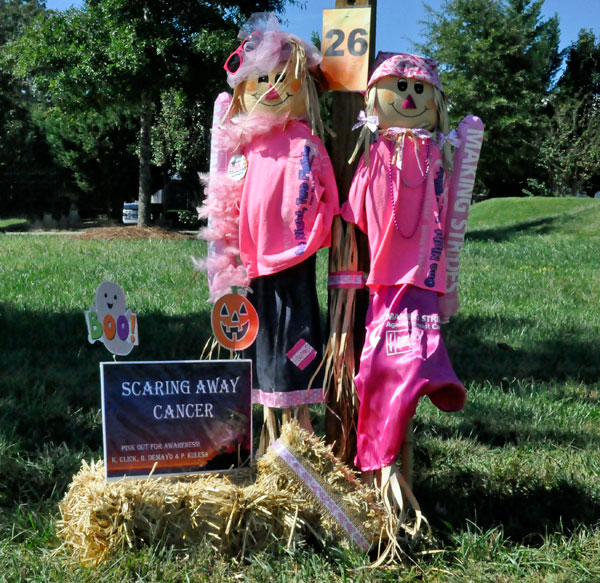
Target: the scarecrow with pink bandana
(399, 199)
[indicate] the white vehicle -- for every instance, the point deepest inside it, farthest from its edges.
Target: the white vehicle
(130, 213)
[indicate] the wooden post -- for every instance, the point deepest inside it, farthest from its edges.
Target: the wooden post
(345, 109)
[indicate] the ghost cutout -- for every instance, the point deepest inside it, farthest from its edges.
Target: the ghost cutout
(110, 322)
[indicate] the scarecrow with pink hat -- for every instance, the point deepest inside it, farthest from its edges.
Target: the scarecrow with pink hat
(400, 198)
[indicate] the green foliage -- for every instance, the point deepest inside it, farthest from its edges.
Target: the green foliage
(180, 136)
(570, 149)
(15, 15)
(582, 71)
(103, 73)
(26, 171)
(498, 59)
(569, 153)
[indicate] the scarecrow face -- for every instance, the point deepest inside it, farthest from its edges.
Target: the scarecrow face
(275, 93)
(405, 103)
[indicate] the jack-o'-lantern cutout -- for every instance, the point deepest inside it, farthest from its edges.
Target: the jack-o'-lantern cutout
(234, 322)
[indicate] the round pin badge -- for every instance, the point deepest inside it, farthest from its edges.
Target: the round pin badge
(238, 165)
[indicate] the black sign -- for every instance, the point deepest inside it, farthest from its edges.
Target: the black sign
(176, 417)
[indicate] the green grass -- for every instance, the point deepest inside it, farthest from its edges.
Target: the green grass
(13, 224)
(509, 485)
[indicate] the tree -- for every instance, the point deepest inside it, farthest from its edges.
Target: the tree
(498, 59)
(26, 169)
(582, 71)
(16, 16)
(570, 152)
(125, 55)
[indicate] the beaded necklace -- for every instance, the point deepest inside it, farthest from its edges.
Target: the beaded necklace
(421, 182)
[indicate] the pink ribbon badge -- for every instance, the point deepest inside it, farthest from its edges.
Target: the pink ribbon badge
(302, 354)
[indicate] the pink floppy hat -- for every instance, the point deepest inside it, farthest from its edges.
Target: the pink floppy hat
(407, 66)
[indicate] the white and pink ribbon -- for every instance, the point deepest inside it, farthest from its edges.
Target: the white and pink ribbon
(371, 121)
(324, 498)
(398, 135)
(452, 138)
(346, 279)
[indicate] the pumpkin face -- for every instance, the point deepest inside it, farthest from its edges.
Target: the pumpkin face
(234, 322)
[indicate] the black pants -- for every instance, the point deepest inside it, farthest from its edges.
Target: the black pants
(288, 312)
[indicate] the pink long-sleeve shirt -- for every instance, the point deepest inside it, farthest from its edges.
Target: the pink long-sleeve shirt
(288, 201)
(407, 248)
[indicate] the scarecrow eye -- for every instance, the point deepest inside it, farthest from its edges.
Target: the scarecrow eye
(419, 88)
(402, 84)
(224, 311)
(279, 78)
(263, 79)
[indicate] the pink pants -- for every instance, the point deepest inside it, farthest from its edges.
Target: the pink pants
(403, 358)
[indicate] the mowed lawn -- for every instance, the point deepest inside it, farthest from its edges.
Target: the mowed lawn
(510, 485)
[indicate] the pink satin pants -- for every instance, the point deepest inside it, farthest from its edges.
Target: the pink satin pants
(403, 358)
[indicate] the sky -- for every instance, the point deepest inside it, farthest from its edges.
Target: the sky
(398, 20)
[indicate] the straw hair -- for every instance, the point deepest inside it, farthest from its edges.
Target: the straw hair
(339, 357)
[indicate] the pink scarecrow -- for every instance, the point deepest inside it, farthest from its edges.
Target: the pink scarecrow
(272, 205)
(399, 198)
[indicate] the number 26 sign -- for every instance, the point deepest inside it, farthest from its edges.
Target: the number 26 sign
(345, 47)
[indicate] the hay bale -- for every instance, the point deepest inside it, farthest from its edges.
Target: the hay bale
(237, 513)
(98, 518)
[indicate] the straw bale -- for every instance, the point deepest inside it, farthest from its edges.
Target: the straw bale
(99, 518)
(236, 514)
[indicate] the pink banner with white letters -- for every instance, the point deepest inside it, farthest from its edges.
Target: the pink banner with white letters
(466, 157)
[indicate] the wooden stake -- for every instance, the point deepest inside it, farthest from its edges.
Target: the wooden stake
(346, 107)
(407, 456)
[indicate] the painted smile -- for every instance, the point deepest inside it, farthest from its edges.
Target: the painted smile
(235, 333)
(270, 104)
(403, 114)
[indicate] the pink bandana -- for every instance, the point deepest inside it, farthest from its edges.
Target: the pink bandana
(407, 66)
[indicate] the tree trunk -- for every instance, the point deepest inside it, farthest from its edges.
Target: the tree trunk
(145, 160)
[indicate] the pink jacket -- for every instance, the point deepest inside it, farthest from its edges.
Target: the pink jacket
(406, 246)
(288, 200)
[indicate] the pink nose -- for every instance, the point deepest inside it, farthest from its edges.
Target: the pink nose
(409, 103)
(272, 93)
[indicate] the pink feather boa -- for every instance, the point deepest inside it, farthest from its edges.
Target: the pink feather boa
(222, 206)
